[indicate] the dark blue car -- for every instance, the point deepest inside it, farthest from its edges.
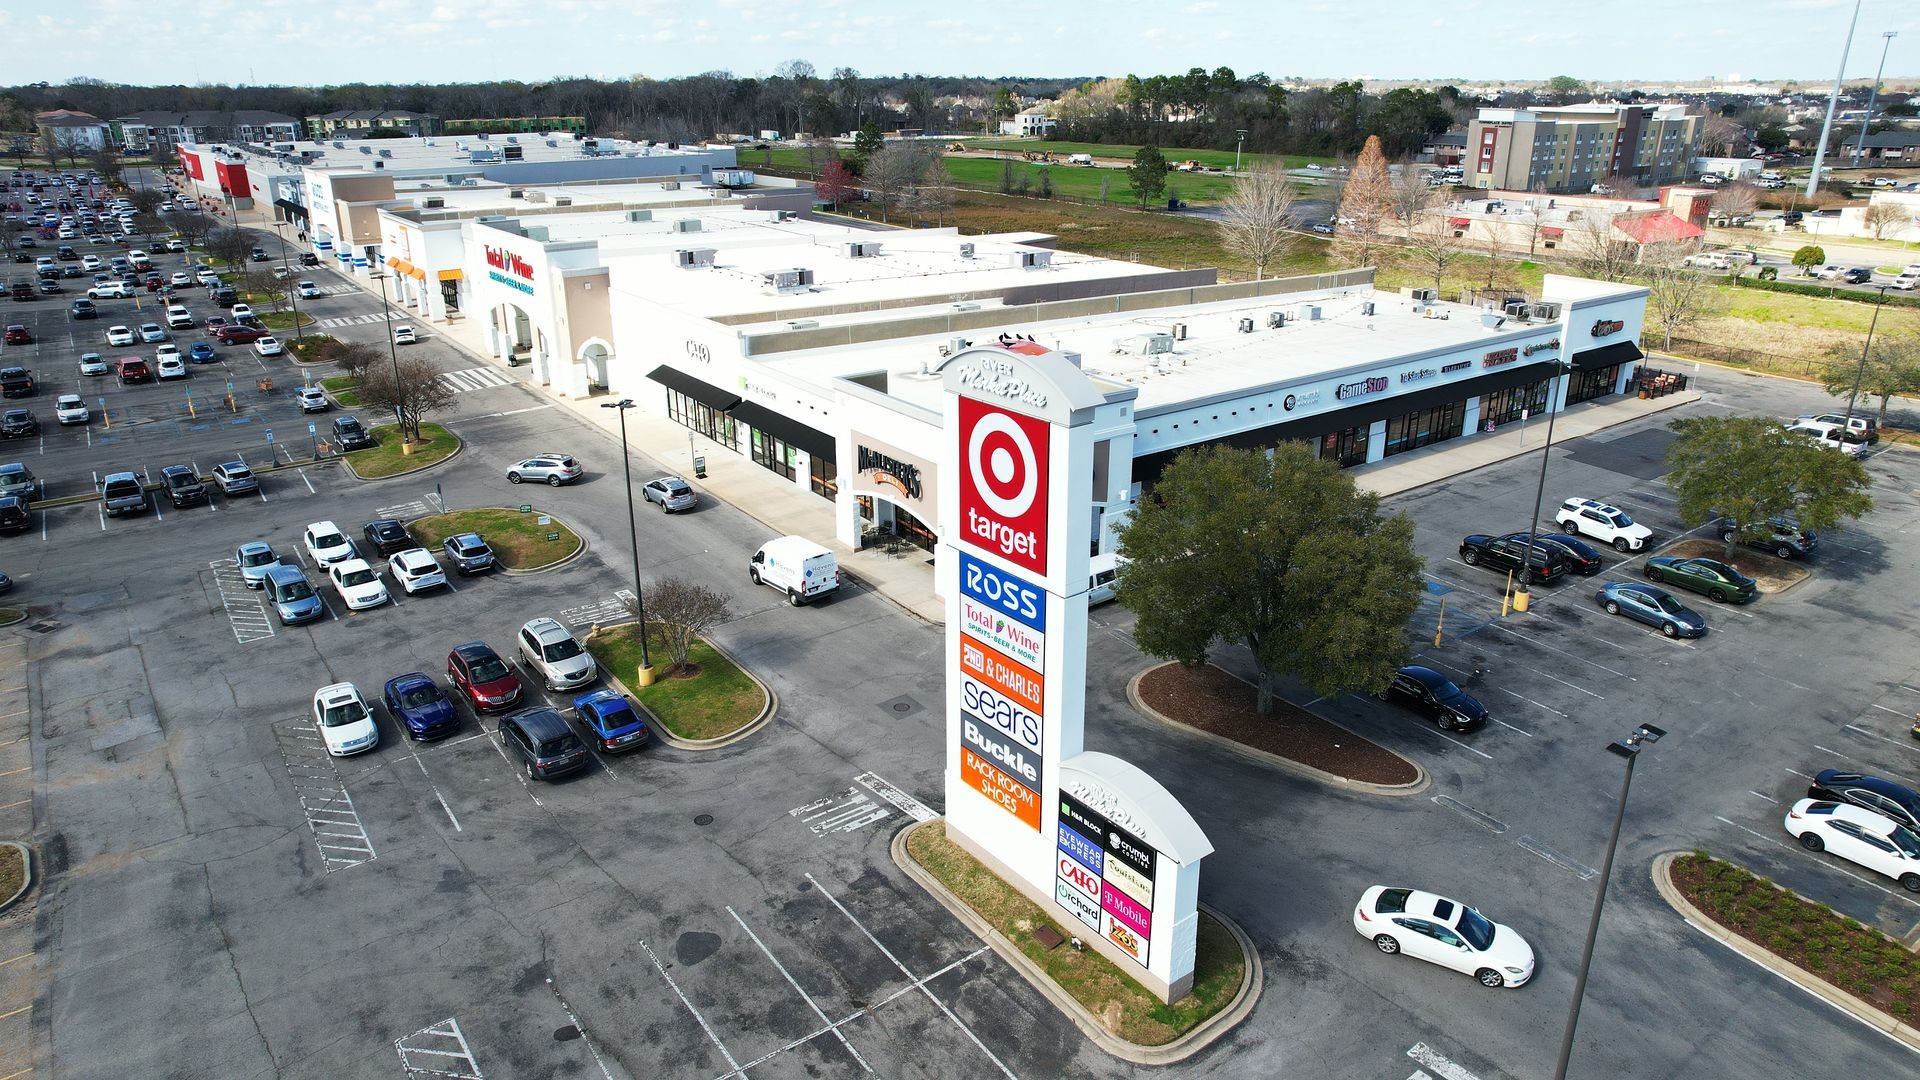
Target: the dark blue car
(201, 352)
(610, 720)
(420, 706)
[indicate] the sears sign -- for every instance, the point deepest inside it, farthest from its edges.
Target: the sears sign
(1003, 483)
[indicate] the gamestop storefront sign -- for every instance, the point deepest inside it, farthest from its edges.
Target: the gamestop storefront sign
(1003, 483)
(509, 269)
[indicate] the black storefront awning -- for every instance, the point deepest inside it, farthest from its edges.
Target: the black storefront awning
(785, 428)
(1622, 352)
(1147, 469)
(705, 393)
(293, 210)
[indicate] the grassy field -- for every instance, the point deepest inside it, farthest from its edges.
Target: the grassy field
(713, 700)
(387, 458)
(518, 540)
(1123, 1006)
(341, 387)
(284, 320)
(1219, 159)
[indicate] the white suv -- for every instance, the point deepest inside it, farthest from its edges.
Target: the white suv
(1608, 524)
(548, 650)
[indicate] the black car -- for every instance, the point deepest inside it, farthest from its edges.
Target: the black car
(1857, 275)
(19, 424)
(1508, 555)
(1900, 803)
(182, 485)
(1782, 536)
(82, 309)
(1426, 691)
(349, 435)
(308, 258)
(15, 515)
(50, 287)
(544, 743)
(388, 536)
(1581, 558)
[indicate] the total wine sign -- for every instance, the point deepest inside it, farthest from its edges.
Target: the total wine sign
(509, 269)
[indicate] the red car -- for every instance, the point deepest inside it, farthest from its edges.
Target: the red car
(479, 674)
(233, 334)
(18, 334)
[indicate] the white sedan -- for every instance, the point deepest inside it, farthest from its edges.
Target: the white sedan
(1444, 932)
(416, 569)
(241, 311)
(308, 290)
(358, 584)
(267, 346)
(346, 724)
(120, 335)
(70, 409)
(1859, 835)
(404, 335)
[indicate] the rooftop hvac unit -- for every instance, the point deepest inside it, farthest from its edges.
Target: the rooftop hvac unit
(1276, 319)
(435, 203)
(516, 193)
(686, 224)
(553, 142)
(639, 215)
(384, 152)
(378, 164)
(562, 200)
(1544, 312)
(1425, 296)
(339, 144)
(862, 249)
(513, 139)
(670, 185)
(803, 324)
(1309, 312)
(733, 177)
(686, 258)
(481, 135)
(1366, 308)
(1145, 345)
(536, 196)
(966, 305)
(1246, 326)
(1179, 331)
(366, 149)
(1515, 309)
(787, 281)
(1035, 260)
(954, 345)
(514, 153)
(966, 251)
(780, 215)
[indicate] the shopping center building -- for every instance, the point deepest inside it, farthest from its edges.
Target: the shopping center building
(814, 348)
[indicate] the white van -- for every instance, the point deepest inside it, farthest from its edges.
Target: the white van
(1103, 577)
(796, 566)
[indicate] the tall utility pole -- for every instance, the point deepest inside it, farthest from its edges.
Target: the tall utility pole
(1873, 95)
(1833, 102)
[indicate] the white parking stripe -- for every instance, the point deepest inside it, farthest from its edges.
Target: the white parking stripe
(1441, 1066)
(704, 1026)
(1909, 747)
(804, 996)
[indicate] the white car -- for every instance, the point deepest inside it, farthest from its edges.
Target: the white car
(552, 652)
(93, 364)
(327, 544)
(308, 290)
(416, 569)
(170, 367)
(1444, 932)
(1830, 436)
(180, 279)
(1859, 835)
(358, 584)
(267, 346)
(1608, 524)
(1907, 281)
(1707, 260)
(404, 335)
(178, 317)
(241, 311)
(152, 333)
(120, 335)
(69, 409)
(91, 263)
(207, 276)
(346, 724)
(165, 350)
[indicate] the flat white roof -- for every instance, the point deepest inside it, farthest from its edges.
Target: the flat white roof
(446, 151)
(493, 197)
(1215, 361)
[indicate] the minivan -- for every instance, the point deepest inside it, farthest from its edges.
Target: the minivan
(544, 743)
(292, 595)
(796, 566)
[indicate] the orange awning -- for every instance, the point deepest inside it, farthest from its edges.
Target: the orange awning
(400, 264)
(451, 275)
(414, 272)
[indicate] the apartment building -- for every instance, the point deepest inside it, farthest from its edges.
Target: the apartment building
(1571, 148)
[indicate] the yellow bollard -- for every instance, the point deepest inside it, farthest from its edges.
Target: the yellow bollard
(1440, 626)
(1520, 600)
(643, 676)
(106, 421)
(190, 409)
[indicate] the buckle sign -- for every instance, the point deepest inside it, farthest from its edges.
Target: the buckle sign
(1003, 483)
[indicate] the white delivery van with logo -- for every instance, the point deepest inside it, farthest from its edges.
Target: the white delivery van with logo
(796, 566)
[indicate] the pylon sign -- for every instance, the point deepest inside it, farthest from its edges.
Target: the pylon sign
(1094, 840)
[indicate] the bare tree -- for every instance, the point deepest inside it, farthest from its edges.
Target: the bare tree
(1882, 218)
(933, 194)
(1432, 245)
(681, 611)
(1258, 219)
(410, 387)
(1409, 196)
(354, 357)
(228, 245)
(106, 162)
(191, 226)
(1622, 186)
(819, 152)
(1739, 198)
(1600, 250)
(1364, 205)
(892, 172)
(260, 287)
(1891, 369)
(1677, 296)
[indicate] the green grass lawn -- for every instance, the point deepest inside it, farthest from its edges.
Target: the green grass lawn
(1084, 183)
(284, 320)
(713, 699)
(388, 458)
(341, 387)
(1219, 159)
(518, 540)
(1122, 1005)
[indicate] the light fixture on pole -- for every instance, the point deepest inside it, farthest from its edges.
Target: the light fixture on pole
(1242, 133)
(1521, 597)
(633, 535)
(1861, 373)
(293, 294)
(1873, 95)
(1628, 748)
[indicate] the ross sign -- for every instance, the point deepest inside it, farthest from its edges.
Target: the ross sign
(1461, 365)
(509, 269)
(999, 589)
(1004, 477)
(1608, 327)
(1416, 374)
(1499, 357)
(1540, 347)
(1362, 388)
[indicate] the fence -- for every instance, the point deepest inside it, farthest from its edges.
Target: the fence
(1742, 356)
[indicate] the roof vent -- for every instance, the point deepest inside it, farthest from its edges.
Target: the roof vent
(1276, 319)
(688, 258)
(378, 164)
(639, 215)
(1145, 344)
(686, 224)
(366, 149)
(1427, 296)
(1544, 312)
(803, 324)
(966, 250)
(1033, 260)
(1246, 326)
(670, 185)
(384, 152)
(1309, 312)
(516, 193)
(1492, 320)
(966, 306)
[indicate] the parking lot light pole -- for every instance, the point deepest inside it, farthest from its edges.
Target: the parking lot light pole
(393, 353)
(1860, 374)
(633, 534)
(1628, 748)
(293, 298)
(1521, 597)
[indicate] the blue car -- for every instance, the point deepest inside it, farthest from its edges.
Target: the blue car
(1651, 605)
(420, 706)
(611, 720)
(201, 352)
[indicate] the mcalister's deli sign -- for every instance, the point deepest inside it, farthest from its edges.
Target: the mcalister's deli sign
(509, 269)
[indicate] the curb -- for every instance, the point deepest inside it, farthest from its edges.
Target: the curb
(1180, 1049)
(719, 741)
(26, 883)
(347, 459)
(1793, 973)
(1420, 783)
(511, 509)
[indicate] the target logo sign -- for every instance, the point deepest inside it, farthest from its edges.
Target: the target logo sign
(1003, 483)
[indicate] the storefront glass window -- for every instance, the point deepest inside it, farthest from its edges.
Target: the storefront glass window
(1505, 406)
(772, 454)
(1587, 385)
(710, 422)
(1425, 427)
(1347, 447)
(823, 475)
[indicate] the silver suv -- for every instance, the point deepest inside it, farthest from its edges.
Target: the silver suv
(550, 651)
(671, 492)
(554, 469)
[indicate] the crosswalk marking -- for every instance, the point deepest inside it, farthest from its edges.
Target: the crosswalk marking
(1430, 1058)
(404, 511)
(445, 1049)
(471, 379)
(352, 320)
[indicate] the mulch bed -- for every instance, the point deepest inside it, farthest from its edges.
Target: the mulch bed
(1856, 958)
(1770, 573)
(1214, 701)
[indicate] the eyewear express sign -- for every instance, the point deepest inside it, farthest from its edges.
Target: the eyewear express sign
(1104, 877)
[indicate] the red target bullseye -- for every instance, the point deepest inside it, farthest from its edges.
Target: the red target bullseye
(1003, 489)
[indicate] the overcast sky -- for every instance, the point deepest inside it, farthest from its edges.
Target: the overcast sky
(302, 42)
